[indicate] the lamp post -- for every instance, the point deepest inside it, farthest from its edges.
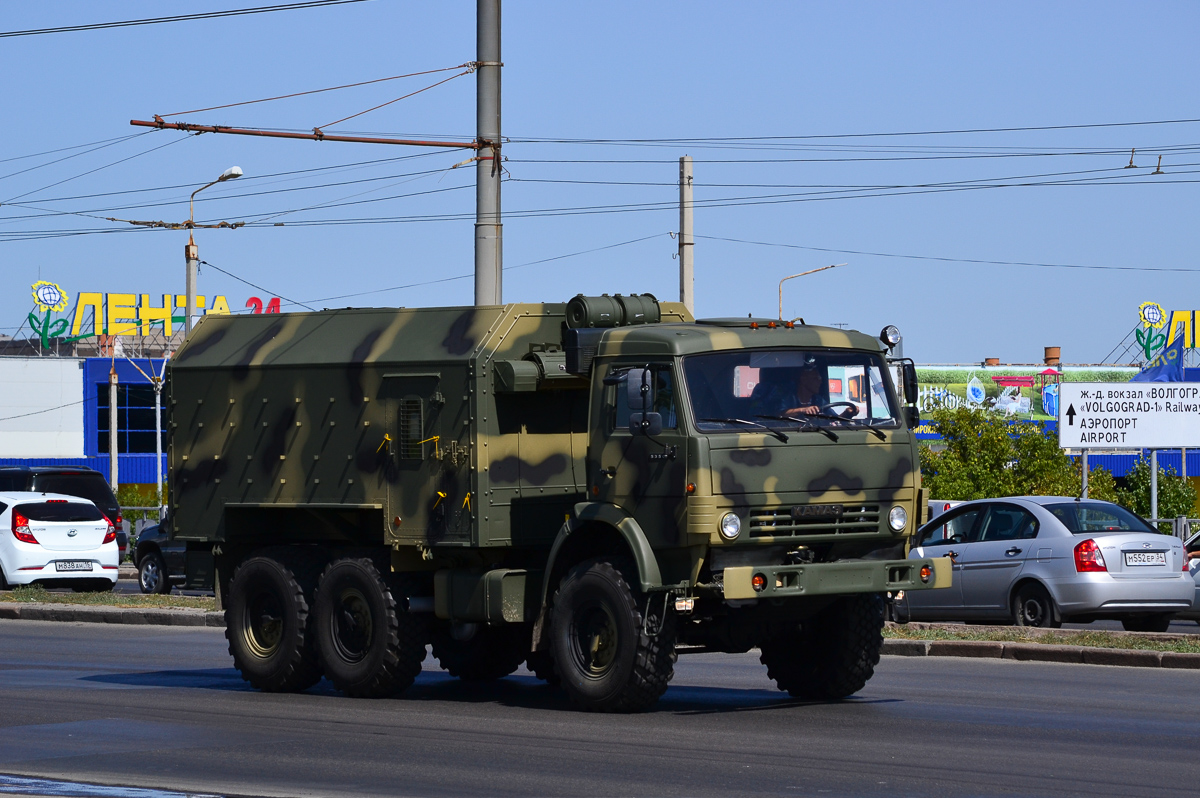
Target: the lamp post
(801, 274)
(191, 252)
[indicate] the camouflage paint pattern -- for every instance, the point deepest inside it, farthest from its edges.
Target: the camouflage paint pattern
(301, 427)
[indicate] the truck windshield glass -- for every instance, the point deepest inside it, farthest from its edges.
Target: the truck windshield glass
(815, 387)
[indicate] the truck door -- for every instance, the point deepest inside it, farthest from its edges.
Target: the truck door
(645, 474)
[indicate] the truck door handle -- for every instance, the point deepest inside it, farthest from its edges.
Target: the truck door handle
(1013, 551)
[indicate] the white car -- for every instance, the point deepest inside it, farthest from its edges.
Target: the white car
(57, 541)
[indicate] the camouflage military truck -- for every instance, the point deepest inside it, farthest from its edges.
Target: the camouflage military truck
(590, 487)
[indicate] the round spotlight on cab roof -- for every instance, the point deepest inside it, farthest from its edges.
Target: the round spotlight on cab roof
(898, 518)
(731, 526)
(890, 335)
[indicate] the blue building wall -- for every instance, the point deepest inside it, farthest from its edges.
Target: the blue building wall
(95, 380)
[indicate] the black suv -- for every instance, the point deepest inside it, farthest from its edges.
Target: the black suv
(85, 483)
(159, 560)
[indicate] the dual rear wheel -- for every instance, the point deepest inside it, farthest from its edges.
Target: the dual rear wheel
(287, 623)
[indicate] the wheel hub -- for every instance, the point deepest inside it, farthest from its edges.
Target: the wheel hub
(353, 628)
(263, 629)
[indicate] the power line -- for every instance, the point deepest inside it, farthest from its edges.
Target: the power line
(952, 260)
(258, 287)
(236, 12)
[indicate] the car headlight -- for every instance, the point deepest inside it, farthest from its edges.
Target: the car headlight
(898, 518)
(890, 335)
(731, 525)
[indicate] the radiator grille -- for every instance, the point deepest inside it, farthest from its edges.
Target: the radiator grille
(779, 522)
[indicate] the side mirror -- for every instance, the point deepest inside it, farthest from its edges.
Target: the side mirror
(912, 416)
(911, 388)
(639, 386)
(645, 423)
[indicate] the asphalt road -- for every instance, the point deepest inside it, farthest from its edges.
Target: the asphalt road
(162, 707)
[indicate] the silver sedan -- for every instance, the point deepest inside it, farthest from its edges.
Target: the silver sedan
(1040, 560)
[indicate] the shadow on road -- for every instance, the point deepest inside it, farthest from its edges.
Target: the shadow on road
(519, 690)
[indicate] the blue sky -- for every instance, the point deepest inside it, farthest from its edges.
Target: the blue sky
(672, 72)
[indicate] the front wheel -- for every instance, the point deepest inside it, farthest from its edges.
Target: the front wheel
(607, 658)
(1033, 606)
(831, 655)
(1153, 622)
(370, 645)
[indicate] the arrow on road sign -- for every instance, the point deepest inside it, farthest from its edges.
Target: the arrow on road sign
(1071, 415)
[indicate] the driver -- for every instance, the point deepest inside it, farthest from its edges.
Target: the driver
(789, 392)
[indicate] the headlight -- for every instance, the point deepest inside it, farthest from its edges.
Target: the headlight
(890, 335)
(897, 518)
(731, 525)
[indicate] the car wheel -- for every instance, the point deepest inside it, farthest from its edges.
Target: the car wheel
(268, 628)
(606, 656)
(152, 574)
(829, 656)
(1154, 622)
(1033, 606)
(474, 652)
(370, 645)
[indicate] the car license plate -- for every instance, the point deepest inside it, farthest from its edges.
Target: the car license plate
(1145, 558)
(73, 565)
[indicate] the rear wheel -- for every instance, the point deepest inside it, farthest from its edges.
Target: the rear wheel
(475, 652)
(152, 574)
(607, 658)
(831, 655)
(267, 625)
(1033, 606)
(369, 644)
(1152, 622)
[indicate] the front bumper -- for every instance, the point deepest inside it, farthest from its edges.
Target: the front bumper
(834, 578)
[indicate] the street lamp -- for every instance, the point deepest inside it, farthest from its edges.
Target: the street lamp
(192, 254)
(801, 274)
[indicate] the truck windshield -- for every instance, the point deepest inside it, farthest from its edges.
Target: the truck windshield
(790, 388)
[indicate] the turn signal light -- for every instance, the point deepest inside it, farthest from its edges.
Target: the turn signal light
(20, 528)
(1088, 557)
(926, 573)
(759, 583)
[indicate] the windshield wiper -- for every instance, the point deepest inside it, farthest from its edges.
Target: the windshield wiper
(770, 430)
(807, 425)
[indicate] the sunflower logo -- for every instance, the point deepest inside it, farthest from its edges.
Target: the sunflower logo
(1153, 317)
(49, 296)
(1152, 314)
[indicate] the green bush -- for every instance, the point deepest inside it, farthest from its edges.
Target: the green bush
(986, 456)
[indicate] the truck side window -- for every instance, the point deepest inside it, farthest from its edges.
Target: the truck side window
(617, 401)
(412, 430)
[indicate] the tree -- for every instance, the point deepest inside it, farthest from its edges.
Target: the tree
(986, 456)
(1176, 496)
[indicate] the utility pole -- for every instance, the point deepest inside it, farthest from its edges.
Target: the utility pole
(191, 254)
(686, 241)
(112, 427)
(489, 232)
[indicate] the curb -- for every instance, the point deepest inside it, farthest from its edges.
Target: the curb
(1036, 652)
(150, 616)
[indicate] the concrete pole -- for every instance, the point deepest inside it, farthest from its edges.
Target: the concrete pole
(489, 233)
(112, 428)
(1154, 483)
(158, 445)
(1083, 492)
(1183, 462)
(191, 254)
(687, 243)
